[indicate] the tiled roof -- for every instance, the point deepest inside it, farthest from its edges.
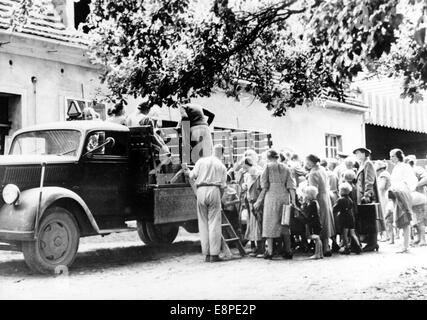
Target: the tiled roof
(43, 21)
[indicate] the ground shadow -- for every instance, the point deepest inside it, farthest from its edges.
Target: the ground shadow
(103, 259)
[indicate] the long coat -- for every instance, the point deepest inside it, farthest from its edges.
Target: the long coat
(366, 182)
(366, 186)
(318, 178)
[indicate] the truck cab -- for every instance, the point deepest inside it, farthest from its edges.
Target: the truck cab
(72, 179)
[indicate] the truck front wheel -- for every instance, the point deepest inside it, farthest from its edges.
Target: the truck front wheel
(56, 244)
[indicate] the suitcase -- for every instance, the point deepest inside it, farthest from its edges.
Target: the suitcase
(368, 216)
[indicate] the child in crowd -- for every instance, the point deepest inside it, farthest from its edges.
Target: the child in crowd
(310, 209)
(345, 213)
(350, 178)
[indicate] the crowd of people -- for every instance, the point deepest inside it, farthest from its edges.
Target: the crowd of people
(321, 205)
(325, 206)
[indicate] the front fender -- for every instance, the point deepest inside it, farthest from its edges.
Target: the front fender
(21, 217)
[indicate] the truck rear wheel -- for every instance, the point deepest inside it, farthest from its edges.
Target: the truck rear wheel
(142, 232)
(150, 233)
(56, 244)
(191, 226)
(162, 234)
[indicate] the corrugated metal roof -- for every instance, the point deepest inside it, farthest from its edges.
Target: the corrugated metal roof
(388, 109)
(350, 97)
(43, 21)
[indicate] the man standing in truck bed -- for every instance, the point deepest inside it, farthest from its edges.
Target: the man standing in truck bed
(210, 177)
(200, 134)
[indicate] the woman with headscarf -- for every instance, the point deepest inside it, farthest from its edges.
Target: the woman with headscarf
(403, 182)
(278, 190)
(319, 179)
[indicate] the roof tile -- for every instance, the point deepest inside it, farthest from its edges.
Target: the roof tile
(43, 21)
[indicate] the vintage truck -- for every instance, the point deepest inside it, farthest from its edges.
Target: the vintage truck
(73, 179)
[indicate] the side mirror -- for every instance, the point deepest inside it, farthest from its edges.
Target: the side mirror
(107, 141)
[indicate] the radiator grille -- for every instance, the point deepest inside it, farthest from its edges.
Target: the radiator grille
(26, 176)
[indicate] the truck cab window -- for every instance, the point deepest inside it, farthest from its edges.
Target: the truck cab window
(95, 139)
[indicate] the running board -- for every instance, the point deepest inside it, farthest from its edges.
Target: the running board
(108, 231)
(10, 247)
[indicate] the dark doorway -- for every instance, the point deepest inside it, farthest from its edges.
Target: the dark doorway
(382, 139)
(5, 124)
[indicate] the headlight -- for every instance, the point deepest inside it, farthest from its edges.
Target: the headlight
(11, 194)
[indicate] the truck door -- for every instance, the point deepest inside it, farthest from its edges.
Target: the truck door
(105, 174)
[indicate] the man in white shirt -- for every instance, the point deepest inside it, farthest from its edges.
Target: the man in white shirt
(210, 176)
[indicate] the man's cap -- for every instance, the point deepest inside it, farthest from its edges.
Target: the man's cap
(362, 149)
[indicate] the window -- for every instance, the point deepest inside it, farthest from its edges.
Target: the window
(97, 138)
(47, 142)
(333, 145)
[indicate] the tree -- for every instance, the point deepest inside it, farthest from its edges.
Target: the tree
(286, 52)
(408, 55)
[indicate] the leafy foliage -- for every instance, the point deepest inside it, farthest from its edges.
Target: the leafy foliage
(286, 52)
(408, 56)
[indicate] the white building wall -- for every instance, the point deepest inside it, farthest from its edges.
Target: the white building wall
(302, 130)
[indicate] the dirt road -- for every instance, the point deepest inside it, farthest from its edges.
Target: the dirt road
(120, 267)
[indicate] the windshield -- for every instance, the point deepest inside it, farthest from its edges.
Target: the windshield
(47, 142)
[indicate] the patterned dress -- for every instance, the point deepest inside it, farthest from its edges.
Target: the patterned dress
(318, 178)
(277, 181)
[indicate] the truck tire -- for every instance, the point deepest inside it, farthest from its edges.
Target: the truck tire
(162, 234)
(191, 226)
(152, 234)
(142, 232)
(56, 244)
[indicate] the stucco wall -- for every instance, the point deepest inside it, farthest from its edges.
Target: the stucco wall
(43, 101)
(302, 130)
(60, 72)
